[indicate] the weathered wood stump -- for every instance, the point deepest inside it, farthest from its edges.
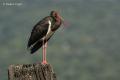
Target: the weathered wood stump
(36, 71)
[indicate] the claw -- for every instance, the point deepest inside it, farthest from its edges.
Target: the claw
(44, 62)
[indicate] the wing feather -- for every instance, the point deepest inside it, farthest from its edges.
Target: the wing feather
(39, 31)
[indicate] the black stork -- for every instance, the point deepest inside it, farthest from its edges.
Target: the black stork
(42, 32)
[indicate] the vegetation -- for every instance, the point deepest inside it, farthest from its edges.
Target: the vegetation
(87, 48)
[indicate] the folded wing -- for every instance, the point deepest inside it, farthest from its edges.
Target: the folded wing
(38, 32)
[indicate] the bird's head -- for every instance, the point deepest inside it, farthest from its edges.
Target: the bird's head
(56, 15)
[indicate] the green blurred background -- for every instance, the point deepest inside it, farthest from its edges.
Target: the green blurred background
(87, 48)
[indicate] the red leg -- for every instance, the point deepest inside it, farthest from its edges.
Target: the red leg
(44, 61)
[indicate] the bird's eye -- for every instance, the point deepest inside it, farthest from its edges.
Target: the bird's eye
(55, 15)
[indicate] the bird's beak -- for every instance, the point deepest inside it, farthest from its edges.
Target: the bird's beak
(62, 19)
(63, 22)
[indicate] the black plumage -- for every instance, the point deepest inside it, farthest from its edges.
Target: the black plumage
(43, 31)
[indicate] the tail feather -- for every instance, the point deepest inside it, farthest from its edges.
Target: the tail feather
(36, 46)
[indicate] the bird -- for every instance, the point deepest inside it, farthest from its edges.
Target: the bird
(42, 32)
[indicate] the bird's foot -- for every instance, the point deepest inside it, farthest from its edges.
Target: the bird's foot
(44, 62)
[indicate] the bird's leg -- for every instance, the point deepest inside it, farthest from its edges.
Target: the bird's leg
(44, 52)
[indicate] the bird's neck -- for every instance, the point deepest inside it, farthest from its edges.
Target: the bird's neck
(56, 20)
(55, 24)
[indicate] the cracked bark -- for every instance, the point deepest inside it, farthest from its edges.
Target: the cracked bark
(36, 71)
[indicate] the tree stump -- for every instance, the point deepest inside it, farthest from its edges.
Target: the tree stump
(36, 71)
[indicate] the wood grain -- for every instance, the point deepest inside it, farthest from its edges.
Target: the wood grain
(36, 71)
